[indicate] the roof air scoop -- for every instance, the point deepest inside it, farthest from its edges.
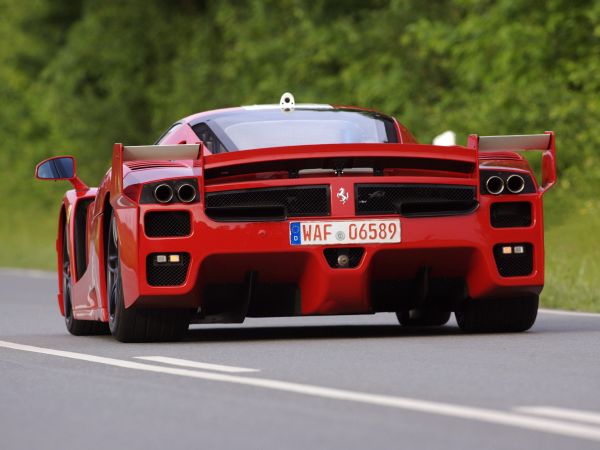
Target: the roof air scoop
(287, 102)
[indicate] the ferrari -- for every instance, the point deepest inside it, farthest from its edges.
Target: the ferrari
(301, 210)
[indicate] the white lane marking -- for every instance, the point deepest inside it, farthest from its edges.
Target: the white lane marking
(28, 273)
(195, 364)
(562, 413)
(409, 404)
(562, 312)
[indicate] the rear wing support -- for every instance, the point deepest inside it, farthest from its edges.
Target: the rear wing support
(122, 154)
(546, 143)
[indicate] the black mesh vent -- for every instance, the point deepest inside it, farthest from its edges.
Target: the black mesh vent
(167, 223)
(166, 274)
(355, 254)
(514, 264)
(415, 199)
(81, 236)
(510, 214)
(268, 204)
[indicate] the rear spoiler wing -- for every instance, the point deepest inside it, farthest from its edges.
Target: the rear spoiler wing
(295, 158)
(123, 153)
(339, 157)
(546, 143)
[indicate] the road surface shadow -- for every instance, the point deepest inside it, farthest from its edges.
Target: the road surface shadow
(314, 332)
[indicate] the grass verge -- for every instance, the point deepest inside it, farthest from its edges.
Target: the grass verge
(573, 264)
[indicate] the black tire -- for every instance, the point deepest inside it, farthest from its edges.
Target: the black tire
(498, 315)
(74, 326)
(136, 324)
(423, 318)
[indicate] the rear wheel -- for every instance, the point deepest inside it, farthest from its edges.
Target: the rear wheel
(423, 318)
(135, 324)
(498, 315)
(74, 326)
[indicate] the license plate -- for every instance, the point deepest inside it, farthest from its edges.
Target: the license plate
(345, 232)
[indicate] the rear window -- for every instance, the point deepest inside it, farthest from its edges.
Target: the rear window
(244, 130)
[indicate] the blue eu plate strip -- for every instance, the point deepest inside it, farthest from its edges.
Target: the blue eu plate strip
(295, 237)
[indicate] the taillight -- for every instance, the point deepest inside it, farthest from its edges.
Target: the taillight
(133, 191)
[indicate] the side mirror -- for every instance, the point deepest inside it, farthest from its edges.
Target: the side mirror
(58, 168)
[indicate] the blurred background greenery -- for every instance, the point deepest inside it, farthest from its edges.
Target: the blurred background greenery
(78, 75)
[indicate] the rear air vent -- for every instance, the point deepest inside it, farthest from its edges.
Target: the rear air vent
(500, 155)
(167, 224)
(510, 214)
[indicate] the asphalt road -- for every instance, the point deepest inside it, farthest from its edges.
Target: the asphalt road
(358, 382)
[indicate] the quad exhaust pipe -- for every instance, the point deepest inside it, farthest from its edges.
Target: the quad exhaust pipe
(186, 193)
(494, 185)
(515, 184)
(163, 193)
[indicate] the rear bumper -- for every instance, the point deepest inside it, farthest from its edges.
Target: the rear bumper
(457, 249)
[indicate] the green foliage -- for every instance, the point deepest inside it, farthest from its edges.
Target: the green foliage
(573, 263)
(78, 75)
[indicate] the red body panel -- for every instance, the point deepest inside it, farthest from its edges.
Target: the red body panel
(457, 246)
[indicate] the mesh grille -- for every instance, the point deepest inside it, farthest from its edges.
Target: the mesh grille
(166, 274)
(355, 254)
(510, 215)
(290, 201)
(167, 223)
(514, 264)
(414, 199)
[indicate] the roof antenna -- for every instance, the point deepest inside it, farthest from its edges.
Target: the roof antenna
(287, 102)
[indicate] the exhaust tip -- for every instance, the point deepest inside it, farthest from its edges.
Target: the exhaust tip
(186, 193)
(515, 184)
(494, 185)
(163, 193)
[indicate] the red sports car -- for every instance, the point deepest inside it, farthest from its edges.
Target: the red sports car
(302, 209)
